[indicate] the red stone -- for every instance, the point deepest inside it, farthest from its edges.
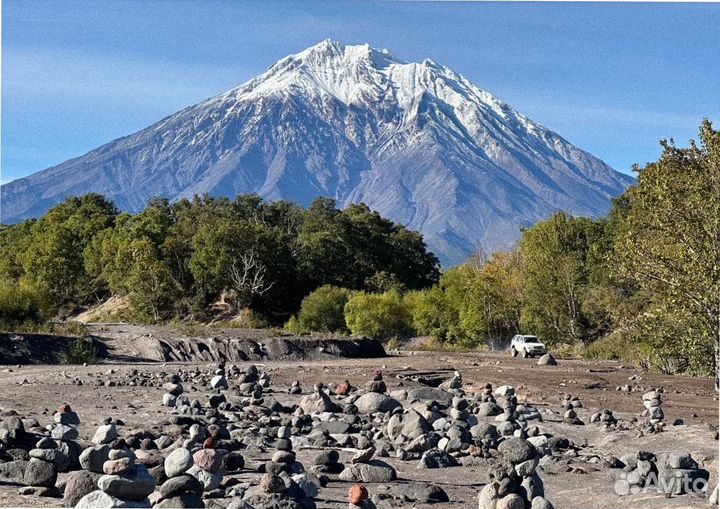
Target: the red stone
(357, 494)
(208, 459)
(209, 443)
(343, 389)
(117, 467)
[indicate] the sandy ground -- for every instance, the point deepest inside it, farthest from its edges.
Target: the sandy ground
(34, 391)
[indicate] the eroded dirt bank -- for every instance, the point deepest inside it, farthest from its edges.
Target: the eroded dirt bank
(145, 343)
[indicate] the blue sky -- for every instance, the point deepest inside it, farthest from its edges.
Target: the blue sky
(611, 78)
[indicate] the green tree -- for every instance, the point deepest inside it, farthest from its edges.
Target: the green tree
(324, 309)
(380, 316)
(428, 313)
(670, 248)
(20, 304)
(153, 291)
(490, 311)
(555, 256)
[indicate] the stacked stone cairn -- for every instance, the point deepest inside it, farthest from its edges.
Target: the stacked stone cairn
(509, 403)
(219, 381)
(516, 484)
(180, 489)
(208, 467)
(284, 482)
(570, 403)
(249, 384)
(125, 483)
(652, 401)
(604, 417)
(42, 469)
(677, 472)
(295, 388)
(174, 390)
(376, 384)
(513, 414)
(327, 462)
(65, 432)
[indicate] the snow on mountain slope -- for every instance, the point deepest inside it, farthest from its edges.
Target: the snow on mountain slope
(415, 141)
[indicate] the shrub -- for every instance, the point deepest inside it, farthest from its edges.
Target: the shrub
(79, 351)
(19, 304)
(293, 325)
(323, 310)
(379, 316)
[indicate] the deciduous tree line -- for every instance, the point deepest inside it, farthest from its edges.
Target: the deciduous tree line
(176, 260)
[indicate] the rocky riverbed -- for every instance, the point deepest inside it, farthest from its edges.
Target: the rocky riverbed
(497, 433)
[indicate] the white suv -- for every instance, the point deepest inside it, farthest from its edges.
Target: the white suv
(526, 346)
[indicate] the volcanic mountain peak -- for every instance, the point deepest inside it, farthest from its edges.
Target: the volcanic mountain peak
(417, 142)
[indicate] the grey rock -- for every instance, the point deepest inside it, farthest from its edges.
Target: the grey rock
(182, 501)
(105, 434)
(64, 432)
(685, 480)
(178, 462)
(516, 450)
(12, 429)
(219, 382)
(680, 460)
(541, 503)
(318, 402)
(13, 471)
(40, 473)
(183, 483)
(547, 360)
(527, 467)
(70, 418)
(484, 430)
(55, 456)
(101, 500)
(135, 485)
(410, 424)
(511, 501)
(93, 458)
(488, 497)
(531, 487)
(373, 402)
(420, 493)
(210, 480)
(435, 458)
(489, 408)
(309, 483)
(78, 484)
(372, 471)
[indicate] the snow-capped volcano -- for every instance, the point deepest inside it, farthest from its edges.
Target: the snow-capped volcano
(417, 142)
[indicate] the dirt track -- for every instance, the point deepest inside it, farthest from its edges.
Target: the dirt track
(34, 390)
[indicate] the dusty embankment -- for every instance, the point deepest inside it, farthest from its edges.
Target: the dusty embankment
(120, 342)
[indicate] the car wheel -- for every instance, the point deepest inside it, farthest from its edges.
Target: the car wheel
(524, 354)
(513, 352)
